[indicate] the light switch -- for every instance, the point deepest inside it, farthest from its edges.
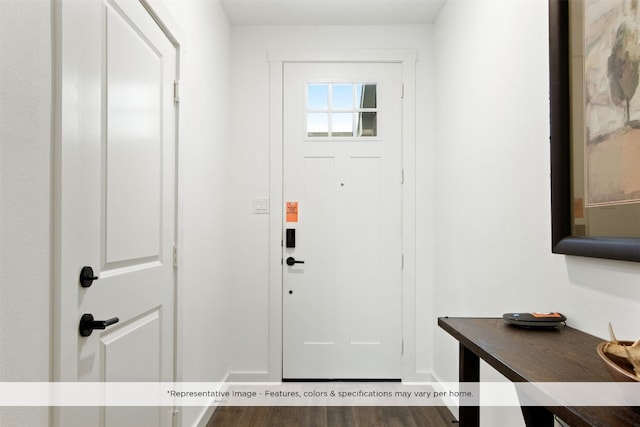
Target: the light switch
(260, 205)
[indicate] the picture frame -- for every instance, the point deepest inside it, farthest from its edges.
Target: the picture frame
(565, 240)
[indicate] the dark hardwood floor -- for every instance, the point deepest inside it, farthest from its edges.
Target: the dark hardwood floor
(332, 416)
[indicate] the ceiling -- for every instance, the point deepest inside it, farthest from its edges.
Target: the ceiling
(331, 12)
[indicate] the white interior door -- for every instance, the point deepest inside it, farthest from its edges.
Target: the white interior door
(118, 203)
(342, 192)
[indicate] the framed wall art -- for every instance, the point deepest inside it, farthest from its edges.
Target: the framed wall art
(594, 60)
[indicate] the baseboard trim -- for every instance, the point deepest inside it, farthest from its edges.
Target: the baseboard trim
(418, 377)
(265, 377)
(451, 404)
(250, 377)
(208, 411)
(206, 415)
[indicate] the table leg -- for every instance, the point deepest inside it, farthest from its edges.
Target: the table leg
(537, 416)
(534, 416)
(469, 371)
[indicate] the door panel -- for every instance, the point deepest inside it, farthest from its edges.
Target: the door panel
(319, 275)
(365, 254)
(136, 342)
(133, 142)
(342, 165)
(120, 160)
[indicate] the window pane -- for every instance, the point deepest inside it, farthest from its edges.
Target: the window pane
(366, 95)
(317, 96)
(342, 97)
(317, 124)
(368, 124)
(342, 124)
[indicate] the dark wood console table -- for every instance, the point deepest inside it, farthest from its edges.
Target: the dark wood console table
(535, 355)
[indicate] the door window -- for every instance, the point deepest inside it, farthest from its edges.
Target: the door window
(341, 110)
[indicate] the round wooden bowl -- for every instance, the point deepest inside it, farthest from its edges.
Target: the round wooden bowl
(619, 368)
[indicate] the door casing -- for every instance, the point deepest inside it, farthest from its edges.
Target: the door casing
(277, 58)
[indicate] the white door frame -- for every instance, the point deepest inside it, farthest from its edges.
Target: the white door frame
(277, 59)
(67, 140)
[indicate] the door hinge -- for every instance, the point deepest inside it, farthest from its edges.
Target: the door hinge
(175, 256)
(402, 92)
(402, 266)
(402, 347)
(402, 177)
(176, 91)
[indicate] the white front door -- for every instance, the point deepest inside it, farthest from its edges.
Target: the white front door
(117, 204)
(342, 192)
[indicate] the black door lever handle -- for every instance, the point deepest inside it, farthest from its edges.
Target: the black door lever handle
(87, 324)
(87, 277)
(291, 261)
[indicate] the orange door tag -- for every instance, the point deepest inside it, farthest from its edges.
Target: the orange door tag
(292, 211)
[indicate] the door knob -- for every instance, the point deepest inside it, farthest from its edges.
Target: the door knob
(291, 260)
(87, 277)
(87, 324)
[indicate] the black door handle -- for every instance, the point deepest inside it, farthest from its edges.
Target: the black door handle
(87, 277)
(87, 324)
(291, 260)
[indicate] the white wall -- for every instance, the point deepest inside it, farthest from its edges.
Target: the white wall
(249, 152)
(25, 170)
(493, 189)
